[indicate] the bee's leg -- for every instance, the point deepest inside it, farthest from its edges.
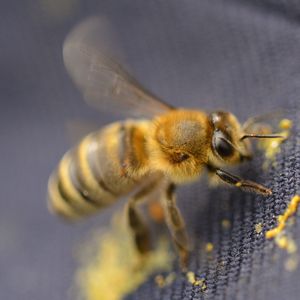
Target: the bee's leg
(137, 224)
(176, 226)
(139, 228)
(156, 211)
(246, 185)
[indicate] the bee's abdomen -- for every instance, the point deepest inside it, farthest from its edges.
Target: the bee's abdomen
(91, 176)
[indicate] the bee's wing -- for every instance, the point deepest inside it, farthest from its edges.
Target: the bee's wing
(103, 82)
(271, 119)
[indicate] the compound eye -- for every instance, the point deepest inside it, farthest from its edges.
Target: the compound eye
(222, 146)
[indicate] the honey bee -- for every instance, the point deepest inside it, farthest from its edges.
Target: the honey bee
(164, 147)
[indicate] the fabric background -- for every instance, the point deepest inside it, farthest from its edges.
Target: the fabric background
(241, 56)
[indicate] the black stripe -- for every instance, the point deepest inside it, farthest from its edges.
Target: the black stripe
(126, 153)
(73, 173)
(131, 156)
(65, 197)
(122, 145)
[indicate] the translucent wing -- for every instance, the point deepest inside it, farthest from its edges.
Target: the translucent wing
(103, 82)
(267, 121)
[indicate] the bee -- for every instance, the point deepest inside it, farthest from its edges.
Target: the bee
(164, 147)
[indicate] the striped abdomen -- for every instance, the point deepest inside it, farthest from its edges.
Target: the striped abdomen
(103, 167)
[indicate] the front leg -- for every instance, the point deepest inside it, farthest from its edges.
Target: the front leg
(176, 225)
(246, 185)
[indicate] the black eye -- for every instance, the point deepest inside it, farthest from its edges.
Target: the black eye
(223, 148)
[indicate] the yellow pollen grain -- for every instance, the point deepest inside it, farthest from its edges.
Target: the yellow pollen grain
(258, 228)
(159, 280)
(170, 278)
(282, 242)
(191, 277)
(291, 263)
(238, 184)
(209, 247)
(282, 219)
(271, 146)
(226, 224)
(162, 281)
(203, 287)
(285, 124)
(291, 246)
(196, 282)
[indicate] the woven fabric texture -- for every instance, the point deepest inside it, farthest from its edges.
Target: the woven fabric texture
(241, 56)
(243, 264)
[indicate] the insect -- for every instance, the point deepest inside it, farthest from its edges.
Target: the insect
(164, 147)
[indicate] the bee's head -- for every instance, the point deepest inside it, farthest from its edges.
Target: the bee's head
(227, 143)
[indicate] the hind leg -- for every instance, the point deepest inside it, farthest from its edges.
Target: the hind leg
(137, 223)
(139, 228)
(176, 226)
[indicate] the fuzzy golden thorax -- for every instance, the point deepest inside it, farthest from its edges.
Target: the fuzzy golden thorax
(179, 142)
(182, 142)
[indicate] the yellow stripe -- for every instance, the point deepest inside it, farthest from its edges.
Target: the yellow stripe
(56, 204)
(71, 192)
(87, 177)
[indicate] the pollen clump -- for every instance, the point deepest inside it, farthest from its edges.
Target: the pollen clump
(209, 247)
(291, 263)
(285, 124)
(271, 146)
(282, 219)
(283, 239)
(162, 281)
(115, 268)
(200, 282)
(258, 228)
(226, 224)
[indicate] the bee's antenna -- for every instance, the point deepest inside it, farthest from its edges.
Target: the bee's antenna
(261, 136)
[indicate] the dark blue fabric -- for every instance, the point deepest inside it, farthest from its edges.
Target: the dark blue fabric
(241, 56)
(243, 265)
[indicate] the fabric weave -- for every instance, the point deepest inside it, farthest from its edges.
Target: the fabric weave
(243, 264)
(237, 55)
